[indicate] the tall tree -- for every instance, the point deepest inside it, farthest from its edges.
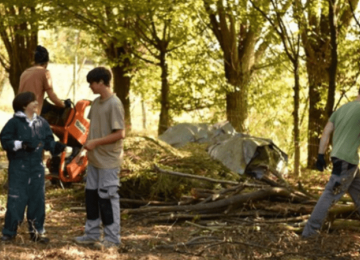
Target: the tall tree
(291, 43)
(108, 22)
(240, 34)
(19, 25)
(162, 29)
(317, 43)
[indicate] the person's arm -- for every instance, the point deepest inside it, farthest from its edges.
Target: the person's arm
(324, 142)
(54, 98)
(111, 138)
(325, 137)
(8, 137)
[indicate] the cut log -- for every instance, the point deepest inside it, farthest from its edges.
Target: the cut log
(347, 224)
(147, 203)
(232, 217)
(216, 205)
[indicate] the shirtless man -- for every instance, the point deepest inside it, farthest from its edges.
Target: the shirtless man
(37, 79)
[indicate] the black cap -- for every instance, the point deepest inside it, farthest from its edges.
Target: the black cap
(41, 55)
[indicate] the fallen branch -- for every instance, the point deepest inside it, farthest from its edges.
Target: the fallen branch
(192, 242)
(199, 217)
(347, 224)
(147, 203)
(220, 194)
(194, 176)
(216, 205)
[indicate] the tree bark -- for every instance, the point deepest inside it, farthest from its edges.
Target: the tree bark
(315, 125)
(320, 43)
(316, 46)
(164, 119)
(195, 176)
(334, 60)
(143, 110)
(20, 42)
(237, 108)
(122, 81)
(221, 204)
(239, 57)
(296, 118)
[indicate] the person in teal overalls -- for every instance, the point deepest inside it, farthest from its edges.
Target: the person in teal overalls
(24, 137)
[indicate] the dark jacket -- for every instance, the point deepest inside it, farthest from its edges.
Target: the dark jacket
(37, 136)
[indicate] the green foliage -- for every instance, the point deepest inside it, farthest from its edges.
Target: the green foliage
(348, 71)
(200, 81)
(105, 21)
(271, 105)
(194, 56)
(65, 43)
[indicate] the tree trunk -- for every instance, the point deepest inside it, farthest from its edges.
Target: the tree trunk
(316, 124)
(296, 120)
(321, 62)
(122, 81)
(20, 47)
(334, 61)
(143, 110)
(21, 60)
(2, 80)
(122, 89)
(164, 120)
(317, 71)
(237, 100)
(15, 71)
(236, 109)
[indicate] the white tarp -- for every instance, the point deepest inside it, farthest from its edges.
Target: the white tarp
(239, 152)
(251, 155)
(181, 134)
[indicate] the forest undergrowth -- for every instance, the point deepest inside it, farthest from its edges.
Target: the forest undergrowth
(244, 232)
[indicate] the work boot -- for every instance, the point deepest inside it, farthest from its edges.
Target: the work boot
(106, 245)
(85, 240)
(40, 238)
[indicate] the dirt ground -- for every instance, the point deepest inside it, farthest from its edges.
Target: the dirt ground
(65, 220)
(222, 238)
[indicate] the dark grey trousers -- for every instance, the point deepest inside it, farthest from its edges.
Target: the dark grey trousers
(345, 177)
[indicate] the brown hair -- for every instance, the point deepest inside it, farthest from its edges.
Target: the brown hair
(22, 100)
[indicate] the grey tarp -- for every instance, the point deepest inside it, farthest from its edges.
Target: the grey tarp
(183, 133)
(240, 153)
(251, 155)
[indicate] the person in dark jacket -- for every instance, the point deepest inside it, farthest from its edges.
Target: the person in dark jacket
(24, 137)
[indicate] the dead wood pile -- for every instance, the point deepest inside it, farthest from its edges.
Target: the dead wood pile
(171, 194)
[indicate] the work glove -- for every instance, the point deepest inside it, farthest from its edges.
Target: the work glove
(67, 103)
(321, 163)
(30, 146)
(59, 147)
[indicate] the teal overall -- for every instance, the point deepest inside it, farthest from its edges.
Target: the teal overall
(26, 173)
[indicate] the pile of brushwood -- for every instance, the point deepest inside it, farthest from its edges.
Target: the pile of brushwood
(164, 184)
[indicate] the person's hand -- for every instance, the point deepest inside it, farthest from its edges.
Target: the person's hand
(30, 146)
(67, 103)
(59, 148)
(89, 145)
(321, 163)
(78, 160)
